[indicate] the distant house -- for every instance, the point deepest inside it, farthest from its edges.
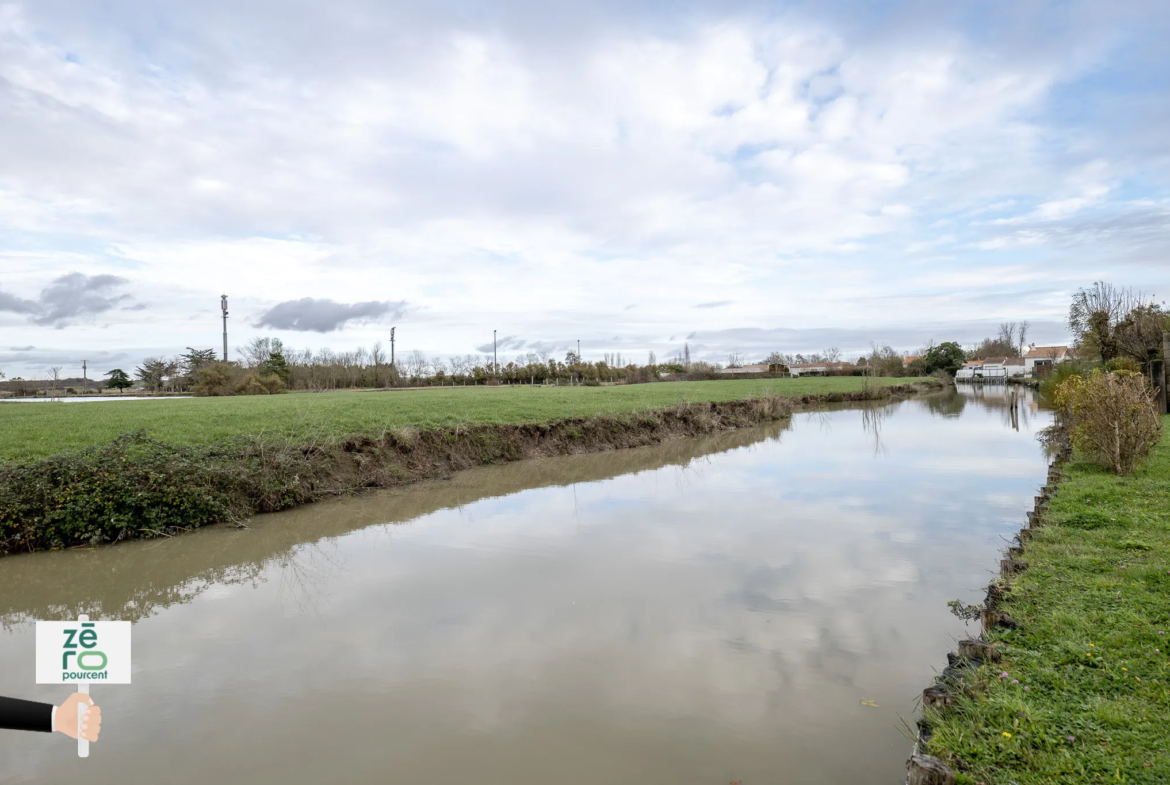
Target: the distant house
(1015, 366)
(1044, 355)
(969, 369)
(992, 368)
(745, 369)
(907, 360)
(817, 369)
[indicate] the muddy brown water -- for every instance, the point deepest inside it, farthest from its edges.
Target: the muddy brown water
(761, 606)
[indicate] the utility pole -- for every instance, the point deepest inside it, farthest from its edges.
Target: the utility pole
(84, 376)
(223, 307)
(393, 369)
(495, 355)
(578, 350)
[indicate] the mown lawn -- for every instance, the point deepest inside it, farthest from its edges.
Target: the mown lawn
(32, 430)
(1086, 696)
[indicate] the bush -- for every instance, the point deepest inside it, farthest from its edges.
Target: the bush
(215, 379)
(1125, 365)
(1112, 417)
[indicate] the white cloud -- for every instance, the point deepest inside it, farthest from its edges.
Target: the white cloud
(542, 179)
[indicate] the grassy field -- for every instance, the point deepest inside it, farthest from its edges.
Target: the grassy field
(34, 430)
(1086, 696)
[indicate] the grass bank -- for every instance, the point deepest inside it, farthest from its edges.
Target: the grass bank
(1086, 695)
(140, 486)
(37, 430)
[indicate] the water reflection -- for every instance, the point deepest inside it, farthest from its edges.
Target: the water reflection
(700, 612)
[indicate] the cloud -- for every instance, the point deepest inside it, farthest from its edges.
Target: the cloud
(312, 315)
(68, 298)
(579, 180)
(509, 343)
(76, 295)
(21, 348)
(13, 304)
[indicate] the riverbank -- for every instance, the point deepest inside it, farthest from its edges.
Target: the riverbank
(1080, 630)
(28, 432)
(138, 486)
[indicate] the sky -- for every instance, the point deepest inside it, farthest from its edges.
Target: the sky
(743, 177)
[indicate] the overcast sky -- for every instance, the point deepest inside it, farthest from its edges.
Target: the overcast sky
(746, 177)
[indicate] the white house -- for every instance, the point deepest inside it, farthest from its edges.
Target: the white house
(1015, 366)
(992, 368)
(1044, 355)
(745, 369)
(817, 369)
(969, 369)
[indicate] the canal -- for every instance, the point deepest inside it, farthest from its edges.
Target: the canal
(760, 606)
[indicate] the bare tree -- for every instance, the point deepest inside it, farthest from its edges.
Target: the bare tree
(1022, 332)
(55, 375)
(735, 360)
(1007, 333)
(651, 360)
(832, 354)
(415, 364)
(377, 357)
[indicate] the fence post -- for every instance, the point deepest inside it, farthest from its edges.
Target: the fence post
(1158, 380)
(1166, 372)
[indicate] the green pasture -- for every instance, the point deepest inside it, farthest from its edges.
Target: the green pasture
(1082, 692)
(34, 430)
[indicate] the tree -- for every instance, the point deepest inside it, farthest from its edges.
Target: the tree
(1095, 312)
(993, 347)
(947, 356)
(118, 380)
(277, 366)
(1022, 332)
(1138, 334)
(155, 371)
(194, 359)
(55, 375)
(256, 351)
(831, 355)
(735, 360)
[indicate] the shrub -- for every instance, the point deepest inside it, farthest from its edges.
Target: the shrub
(215, 379)
(1112, 418)
(1125, 365)
(251, 385)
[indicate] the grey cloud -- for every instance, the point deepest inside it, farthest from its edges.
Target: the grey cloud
(21, 348)
(70, 297)
(13, 304)
(714, 304)
(312, 315)
(507, 344)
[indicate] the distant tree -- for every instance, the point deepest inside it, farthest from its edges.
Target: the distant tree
(831, 355)
(255, 352)
(947, 356)
(194, 359)
(118, 380)
(277, 366)
(155, 371)
(993, 347)
(735, 360)
(651, 361)
(55, 376)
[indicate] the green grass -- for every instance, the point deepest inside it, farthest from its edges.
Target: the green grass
(35, 430)
(1093, 648)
